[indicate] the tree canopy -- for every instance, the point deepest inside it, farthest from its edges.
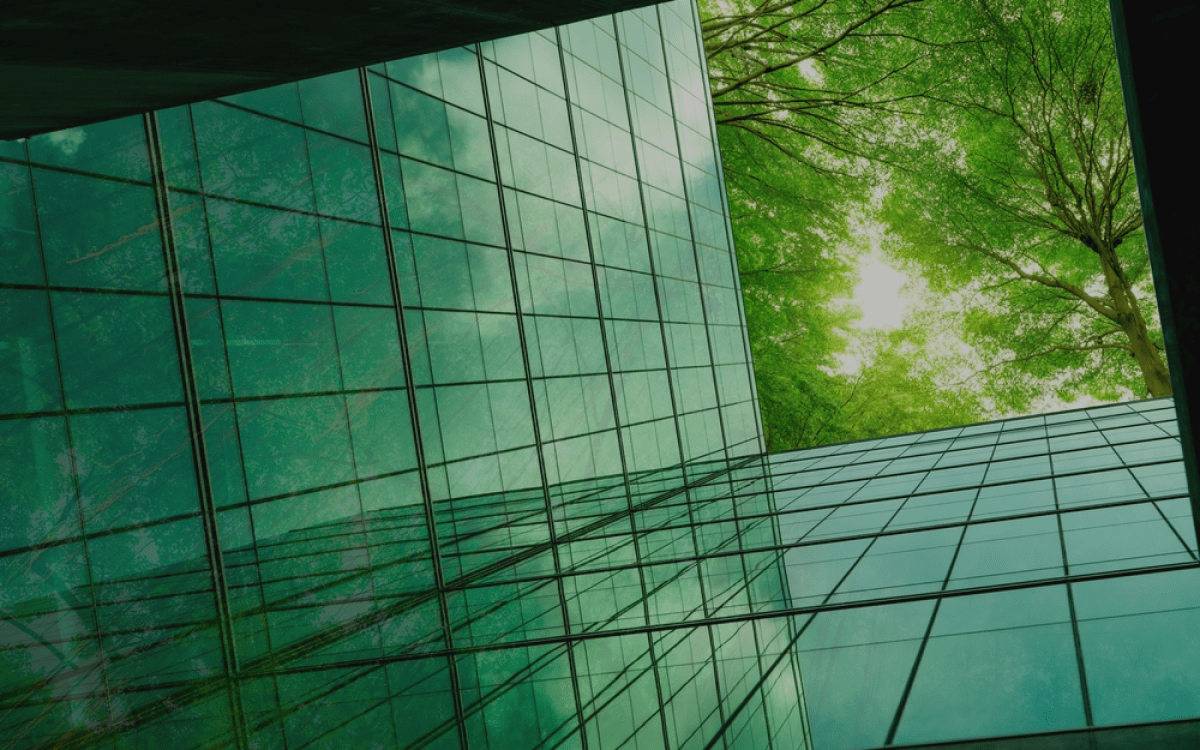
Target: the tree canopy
(1021, 188)
(989, 139)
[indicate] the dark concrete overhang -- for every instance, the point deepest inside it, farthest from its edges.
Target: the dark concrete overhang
(1156, 53)
(71, 62)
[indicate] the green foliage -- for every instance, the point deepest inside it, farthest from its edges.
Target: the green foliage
(795, 154)
(1019, 182)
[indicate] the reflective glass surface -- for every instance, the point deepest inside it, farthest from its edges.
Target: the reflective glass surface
(411, 407)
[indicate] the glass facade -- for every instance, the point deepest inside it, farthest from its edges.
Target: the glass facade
(411, 407)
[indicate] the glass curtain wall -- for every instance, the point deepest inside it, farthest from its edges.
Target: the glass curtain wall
(410, 407)
(1023, 576)
(378, 410)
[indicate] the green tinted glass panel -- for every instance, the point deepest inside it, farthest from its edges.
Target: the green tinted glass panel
(116, 350)
(27, 353)
(98, 233)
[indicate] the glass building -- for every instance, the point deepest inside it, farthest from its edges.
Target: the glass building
(411, 407)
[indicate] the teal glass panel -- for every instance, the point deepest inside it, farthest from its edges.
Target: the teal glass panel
(343, 178)
(207, 343)
(464, 413)
(453, 345)
(945, 479)
(178, 147)
(1097, 488)
(393, 189)
(116, 350)
(518, 698)
(334, 103)
(1018, 469)
(855, 664)
(134, 467)
(382, 432)
(224, 452)
(1137, 636)
(281, 101)
(283, 262)
(356, 262)
(902, 564)
(1127, 537)
(1007, 551)
(442, 274)
(490, 279)
(189, 230)
(814, 571)
(460, 78)
(421, 128)
(369, 346)
(115, 147)
(420, 71)
(136, 553)
(1012, 499)
(481, 217)
(1001, 682)
(13, 149)
(27, 353)
(1085, 460)
(293, 444)
(245, 156)
(21, 262)
(471, 144)
(1001, 663)
(851, 520)
(40, 494)
(501, 345)
(422, 704)
(98, 233)
(337, 707)
(432, 196)
(1163, 480)
(280, 347)
(475, 476)
(938, 508)
(381, 107)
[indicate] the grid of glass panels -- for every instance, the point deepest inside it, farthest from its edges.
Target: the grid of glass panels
(410, 407)
(1023, 576)
(370, 409)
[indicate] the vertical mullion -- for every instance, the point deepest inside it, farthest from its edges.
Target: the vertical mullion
(406, 362)
(533, 409)
(191, 395)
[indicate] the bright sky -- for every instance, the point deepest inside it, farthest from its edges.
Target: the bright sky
(878, 294)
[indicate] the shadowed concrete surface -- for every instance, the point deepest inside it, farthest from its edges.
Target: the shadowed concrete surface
(70, 62)
(1175, 735)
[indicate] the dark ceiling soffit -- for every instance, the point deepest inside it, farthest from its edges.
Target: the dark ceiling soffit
(1156, 53)
(65, 63)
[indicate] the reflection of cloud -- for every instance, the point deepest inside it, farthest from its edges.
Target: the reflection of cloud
(67, 141)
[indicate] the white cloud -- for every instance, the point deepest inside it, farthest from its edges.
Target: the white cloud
(67, 141)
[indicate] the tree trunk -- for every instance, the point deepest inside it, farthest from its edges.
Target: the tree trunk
(1133, 325)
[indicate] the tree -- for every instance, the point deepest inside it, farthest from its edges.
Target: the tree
(1020, 187)
(768, 61)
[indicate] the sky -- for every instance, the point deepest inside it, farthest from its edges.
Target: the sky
(885, 295)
